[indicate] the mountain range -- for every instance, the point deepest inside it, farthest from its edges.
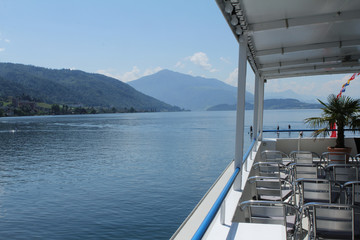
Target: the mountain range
(162, 91)
(290, 94)
(186, 91)
(198, 93)
(269, 104)
(74, 87)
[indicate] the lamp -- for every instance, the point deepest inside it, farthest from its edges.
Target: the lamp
(234, 20)
(228, 7)
(238, 30)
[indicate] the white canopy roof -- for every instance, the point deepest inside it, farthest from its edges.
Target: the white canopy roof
(288, 38)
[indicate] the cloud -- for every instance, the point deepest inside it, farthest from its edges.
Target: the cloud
(134, 74)
(180, 64)
(202, 60)
(317, 86)
(150, 71)
(334, 86)
(225, 60)
(109, 73)
(300, 86)
(3, 40)
(232, 78)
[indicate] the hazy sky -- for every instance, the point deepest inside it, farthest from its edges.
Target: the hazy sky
(130, 39)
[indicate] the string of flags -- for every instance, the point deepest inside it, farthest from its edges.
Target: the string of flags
(347, 84)
(343, 88)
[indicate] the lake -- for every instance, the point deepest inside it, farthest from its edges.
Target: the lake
(115, 176)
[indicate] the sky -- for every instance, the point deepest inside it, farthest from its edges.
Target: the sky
(131, 39)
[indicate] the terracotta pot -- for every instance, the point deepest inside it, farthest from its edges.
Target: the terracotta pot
(337, 155)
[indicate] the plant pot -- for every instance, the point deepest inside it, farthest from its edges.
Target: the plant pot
(337, 154)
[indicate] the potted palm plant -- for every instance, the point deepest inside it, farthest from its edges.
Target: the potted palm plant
(344, 112)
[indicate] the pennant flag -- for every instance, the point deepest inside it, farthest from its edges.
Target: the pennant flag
(333, 133)
(353, 76)
(343, 88)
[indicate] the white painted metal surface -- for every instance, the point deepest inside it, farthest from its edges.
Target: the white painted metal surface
(261, 107)
(288, 38)
(240, 113)
(256, 106)
(254, 231)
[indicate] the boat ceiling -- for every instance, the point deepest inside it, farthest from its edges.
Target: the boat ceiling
(288, 38)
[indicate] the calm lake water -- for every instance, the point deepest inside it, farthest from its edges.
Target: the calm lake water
(114, 176)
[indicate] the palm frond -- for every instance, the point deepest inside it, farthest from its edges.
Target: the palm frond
(343, 111)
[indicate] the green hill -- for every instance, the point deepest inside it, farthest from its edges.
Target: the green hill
(288, 103)
(74, 87)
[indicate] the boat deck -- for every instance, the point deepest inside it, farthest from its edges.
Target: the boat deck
(226, 225)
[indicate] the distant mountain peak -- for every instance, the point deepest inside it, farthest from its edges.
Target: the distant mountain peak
(186, 91)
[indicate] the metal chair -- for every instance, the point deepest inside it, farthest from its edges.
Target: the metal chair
(332, 221)
(352, 190)
(269, 212)
(312, 170)
(270, 169)
(271, 188)
(303, 157)
(342, 173)
(317, 190)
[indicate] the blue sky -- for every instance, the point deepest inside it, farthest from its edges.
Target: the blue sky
(131, 39)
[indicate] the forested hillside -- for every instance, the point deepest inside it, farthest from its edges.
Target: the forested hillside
(74, 87)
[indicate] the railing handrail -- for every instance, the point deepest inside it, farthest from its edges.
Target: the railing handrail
(215, 208)
(246, 155)
(305, 130)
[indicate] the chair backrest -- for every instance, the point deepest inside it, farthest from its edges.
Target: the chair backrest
(352, 192)
(303, 157)
(270, 212)
(342, 173)
(304, 170)
(267, 187)
(315, 190)
(267, 169)
(335, 221)
(336, 157)
(273, 156)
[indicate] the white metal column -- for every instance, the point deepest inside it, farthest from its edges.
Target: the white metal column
(261, 107)
(256, 107)
(240, 111)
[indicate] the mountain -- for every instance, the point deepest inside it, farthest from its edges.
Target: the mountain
(74, 87)
(290, 94)
(287, 103)
(229, 107)
(186, 91)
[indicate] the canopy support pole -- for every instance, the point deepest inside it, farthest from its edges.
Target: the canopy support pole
(256, 107)
(261, 107)
(240, 110)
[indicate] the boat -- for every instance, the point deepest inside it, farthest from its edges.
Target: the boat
(278, 39)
